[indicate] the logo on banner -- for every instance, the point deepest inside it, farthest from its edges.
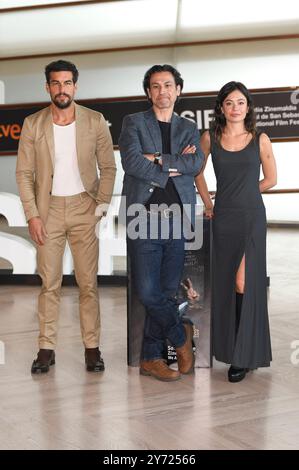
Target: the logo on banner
(10, 131)
(295, 97)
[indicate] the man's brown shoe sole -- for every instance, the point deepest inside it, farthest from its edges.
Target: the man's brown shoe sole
(163, 379)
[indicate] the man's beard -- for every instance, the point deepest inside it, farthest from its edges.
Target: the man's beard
(62, 104)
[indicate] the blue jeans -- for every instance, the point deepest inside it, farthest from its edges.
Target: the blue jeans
(157, 267)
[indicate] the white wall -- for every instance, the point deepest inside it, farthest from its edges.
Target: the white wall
(1, 92)
(7, 174)
(204, 68)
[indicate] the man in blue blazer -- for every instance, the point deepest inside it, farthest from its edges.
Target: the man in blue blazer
(160, 156)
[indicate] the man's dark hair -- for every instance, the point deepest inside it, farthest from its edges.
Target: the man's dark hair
(61, 66)
(162, 68)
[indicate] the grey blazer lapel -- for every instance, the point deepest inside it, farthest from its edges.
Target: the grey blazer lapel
(154, 129)
(48, 126)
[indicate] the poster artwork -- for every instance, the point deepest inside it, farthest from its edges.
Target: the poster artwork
(193, 303)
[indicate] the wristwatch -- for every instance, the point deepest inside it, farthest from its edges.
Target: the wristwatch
(157, 158)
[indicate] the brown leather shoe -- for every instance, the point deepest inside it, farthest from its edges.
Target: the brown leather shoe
(185, 354)
(159, 369)
(45, 359)
(93, 360)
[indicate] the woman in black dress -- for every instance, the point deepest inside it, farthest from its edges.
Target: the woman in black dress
(239, 298)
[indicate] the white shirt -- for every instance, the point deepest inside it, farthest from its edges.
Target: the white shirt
(66, 179)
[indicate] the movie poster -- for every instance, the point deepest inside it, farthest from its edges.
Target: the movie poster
(193, 304)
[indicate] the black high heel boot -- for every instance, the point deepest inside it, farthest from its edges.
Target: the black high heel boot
(236, 374)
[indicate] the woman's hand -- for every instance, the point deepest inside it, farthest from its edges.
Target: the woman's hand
(209, 212)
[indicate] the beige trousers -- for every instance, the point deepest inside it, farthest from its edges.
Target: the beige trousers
(73, 219)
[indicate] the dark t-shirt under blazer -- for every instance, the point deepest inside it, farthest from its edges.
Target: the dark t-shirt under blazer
(141, 135)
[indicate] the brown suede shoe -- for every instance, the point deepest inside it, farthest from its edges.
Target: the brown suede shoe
(159, 369)
(45, 359)
(93, 360)
(185, 354)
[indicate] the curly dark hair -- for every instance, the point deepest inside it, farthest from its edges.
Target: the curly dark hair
(219, 121)
(161, 68)
(61, 66)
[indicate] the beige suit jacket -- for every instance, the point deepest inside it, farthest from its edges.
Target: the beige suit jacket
(35, 162)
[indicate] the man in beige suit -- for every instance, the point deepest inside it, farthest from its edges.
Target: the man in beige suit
(60, 149)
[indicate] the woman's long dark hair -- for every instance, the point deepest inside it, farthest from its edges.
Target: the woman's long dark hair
(219, 121)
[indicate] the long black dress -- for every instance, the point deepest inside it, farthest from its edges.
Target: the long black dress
(239, 227)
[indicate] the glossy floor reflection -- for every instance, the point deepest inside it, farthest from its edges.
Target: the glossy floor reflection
(69, 408)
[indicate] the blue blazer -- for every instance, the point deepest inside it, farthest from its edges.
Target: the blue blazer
(141, 134)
